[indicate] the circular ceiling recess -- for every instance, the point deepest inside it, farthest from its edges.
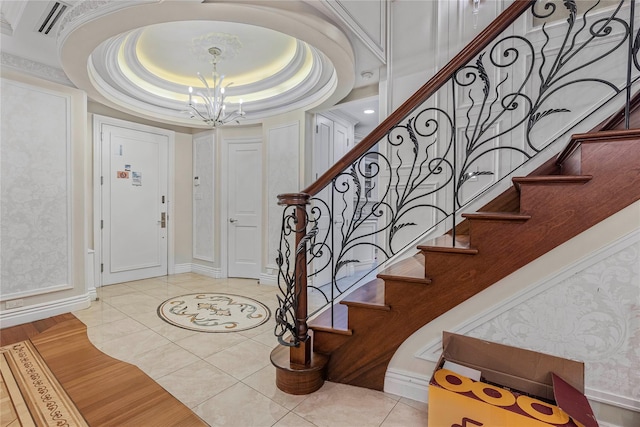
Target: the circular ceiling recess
(148, 70)
(153, 67)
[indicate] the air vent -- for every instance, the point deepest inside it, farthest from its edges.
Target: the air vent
(50, 17)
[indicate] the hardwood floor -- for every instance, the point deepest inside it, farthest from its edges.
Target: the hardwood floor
(107, 391)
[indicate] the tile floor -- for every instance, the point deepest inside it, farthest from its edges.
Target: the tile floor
(227, 379)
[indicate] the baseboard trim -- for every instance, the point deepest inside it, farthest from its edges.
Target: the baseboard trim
(407, 384)
(268, 279)
(182, 268)
(189, 267)
(205, 270)
(609, 398)
(31, 313)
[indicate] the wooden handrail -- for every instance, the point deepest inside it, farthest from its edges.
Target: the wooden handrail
(473, 49)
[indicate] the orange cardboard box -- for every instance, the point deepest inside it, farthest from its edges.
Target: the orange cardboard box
(516, 388)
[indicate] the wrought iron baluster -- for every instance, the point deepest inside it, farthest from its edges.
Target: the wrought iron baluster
(454, 191)
(627, 112)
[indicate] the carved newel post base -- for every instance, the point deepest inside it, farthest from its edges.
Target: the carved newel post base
(294, 378)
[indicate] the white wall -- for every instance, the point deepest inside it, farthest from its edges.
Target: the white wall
(42, 199)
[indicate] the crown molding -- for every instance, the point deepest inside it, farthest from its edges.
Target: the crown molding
(36, 69)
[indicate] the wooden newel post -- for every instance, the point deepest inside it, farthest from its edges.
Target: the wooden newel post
(300, 354)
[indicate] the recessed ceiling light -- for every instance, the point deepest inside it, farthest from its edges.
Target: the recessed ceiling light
(369, 111)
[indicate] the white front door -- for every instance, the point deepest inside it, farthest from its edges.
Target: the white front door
(134, 168)
(244, 209)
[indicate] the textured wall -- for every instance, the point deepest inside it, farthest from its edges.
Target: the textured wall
(592, 316)
(35, 190)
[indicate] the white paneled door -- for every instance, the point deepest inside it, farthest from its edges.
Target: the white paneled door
(244, 209)
(331, 142)
(134, 204)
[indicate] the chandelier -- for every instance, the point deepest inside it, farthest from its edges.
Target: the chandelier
(212, 109)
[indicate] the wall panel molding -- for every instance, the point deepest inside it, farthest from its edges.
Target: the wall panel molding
(203, 196)
(36, 190)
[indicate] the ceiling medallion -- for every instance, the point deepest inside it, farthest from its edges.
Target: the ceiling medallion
(227, 44)
(212, 110)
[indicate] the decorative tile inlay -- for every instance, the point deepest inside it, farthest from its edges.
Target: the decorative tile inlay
(209, 312)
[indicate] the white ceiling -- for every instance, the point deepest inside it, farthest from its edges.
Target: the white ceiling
(141, 60)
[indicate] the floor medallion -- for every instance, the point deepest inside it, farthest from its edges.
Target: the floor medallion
(214, 312)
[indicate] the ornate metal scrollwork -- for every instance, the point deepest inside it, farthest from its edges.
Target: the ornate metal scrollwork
(511, 102)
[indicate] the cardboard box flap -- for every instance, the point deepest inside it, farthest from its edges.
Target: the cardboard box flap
(573, 402)
(514, 367)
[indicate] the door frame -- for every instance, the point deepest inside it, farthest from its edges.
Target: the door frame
(97, 123)
(224, 203)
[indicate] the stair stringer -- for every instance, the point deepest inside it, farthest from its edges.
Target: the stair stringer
(558, 212)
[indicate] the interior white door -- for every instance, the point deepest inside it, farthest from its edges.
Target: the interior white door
(331, 143)
(244, 209)
(134, 204)
(322, 156)
(343, 198)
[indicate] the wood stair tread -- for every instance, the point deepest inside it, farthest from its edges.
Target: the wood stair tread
(446, 243)
(339, 324)
(408, 270)
(551, 180)
(370, 295)
(497, 216)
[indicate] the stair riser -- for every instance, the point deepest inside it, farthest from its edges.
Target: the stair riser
(624, 155)
(546, 200)
(439, 262)
(572, 164)
(361, 319)
(326, 342)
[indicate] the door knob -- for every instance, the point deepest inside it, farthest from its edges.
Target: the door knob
(232, 220)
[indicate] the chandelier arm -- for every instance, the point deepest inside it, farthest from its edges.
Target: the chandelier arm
(198, 113)
(204, 81)
(206, 101)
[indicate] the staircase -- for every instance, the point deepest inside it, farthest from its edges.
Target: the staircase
(595, 176)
